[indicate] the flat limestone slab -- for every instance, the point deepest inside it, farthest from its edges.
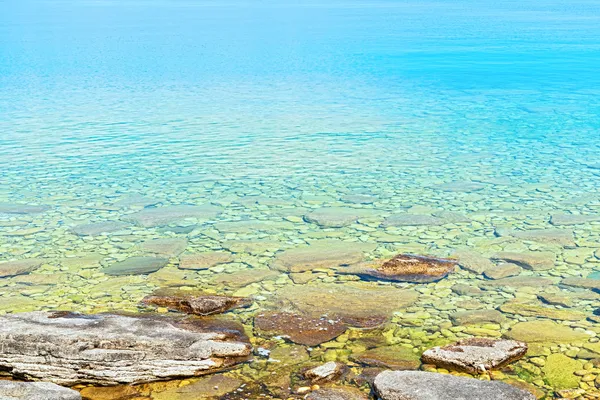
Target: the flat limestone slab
(10, 390)
(110, 349)
(417, 385)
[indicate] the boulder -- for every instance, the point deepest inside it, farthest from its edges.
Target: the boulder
(298, 328)
(404, 268)
(195, 303)
(110, 349)
(13, 390)
(136, 266)
(417, 385)
(475, 355)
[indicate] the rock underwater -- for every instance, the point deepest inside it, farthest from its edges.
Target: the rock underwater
(107, 349)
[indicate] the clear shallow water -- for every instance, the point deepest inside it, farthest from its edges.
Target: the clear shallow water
(269, 111)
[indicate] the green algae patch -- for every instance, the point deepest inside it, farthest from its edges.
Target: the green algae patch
(559, 371)
(544, 331)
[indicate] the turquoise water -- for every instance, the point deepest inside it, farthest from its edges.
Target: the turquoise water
(264, 112)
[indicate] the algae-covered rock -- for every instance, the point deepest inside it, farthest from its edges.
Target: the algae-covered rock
(559, 371)
(544, 331)
(136, 266)
(477, 317)
(394, 357)
(531, 309)
(209, 387)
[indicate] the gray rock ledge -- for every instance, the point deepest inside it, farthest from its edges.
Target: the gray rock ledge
(417, 385)
(11, 390)
(106, 349)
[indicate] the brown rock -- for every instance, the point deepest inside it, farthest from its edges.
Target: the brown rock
(208, 387)
(536, 261)
(327, 372)
(580, 283)
(195, 303)
(206, 260)
(472, 261)
(503, 270)
(299, 328)
(405, 268)
(475, 355)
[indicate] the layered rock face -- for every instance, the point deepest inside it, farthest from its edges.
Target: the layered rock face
(109, 349)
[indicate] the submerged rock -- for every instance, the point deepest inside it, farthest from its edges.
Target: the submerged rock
(560, 237)
(573, 219)
(477, 317)
(110, 349)
(519, 281)
(503, 270)
(13, 390)
(136, 266)
(337, 394)
(417, 385)
(544, 331)
(472, 261)
(321, 254)
(335, 217)
(170, 247)
(531, 309)
(355, 304)
(205, 388)
(405, 268)
(299, 328)
(195, 303)
(536, 261)
(584, 283)
(393, 357)
(15, 208)
(98, 228)
(412, 220)
(19, 267)
(559, 371)
(199, 261)
(475, 355)
(151, 217)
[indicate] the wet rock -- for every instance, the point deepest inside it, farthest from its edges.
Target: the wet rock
(15, 208)
(358, 199)
(19, 267)
(110, 349)
(559, 371)
(503, 270)
(404, 268)
(335, 217)
(412, 220)
(466, 290)
(452, 217)
(467, 186)
(256, 247)
(559, 237)
(417, 385)
(544, 331)
(195, 303)
(573, 219)
(536, 261)
(299, 328)
(472, 261)
(98, 228)
(13, 390)
(355, 304)
(392, 357)
(337, 394)
(151, 217)
(584, 283)
(477, 317)
(327, 372)
(136, 200)
(556, 299)
(170, 247)
(136, 266)
(253, 226)
(530, 309)
(210, 387)
(321, 254)
(519, 281)
(475, 355)
(244, 277)
(200, 261)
